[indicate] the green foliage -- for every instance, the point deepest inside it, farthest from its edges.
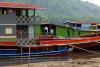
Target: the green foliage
(73, 10)
(63, 10)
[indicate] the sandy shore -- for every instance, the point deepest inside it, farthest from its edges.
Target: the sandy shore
(94, 62)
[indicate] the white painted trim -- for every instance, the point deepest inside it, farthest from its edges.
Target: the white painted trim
(8, 24)
(7, 36)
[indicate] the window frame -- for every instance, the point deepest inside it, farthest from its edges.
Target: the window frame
(8, 30)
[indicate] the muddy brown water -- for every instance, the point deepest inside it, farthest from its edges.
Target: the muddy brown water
(77, 54)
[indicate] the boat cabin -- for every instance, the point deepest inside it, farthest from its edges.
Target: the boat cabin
(83, 26)
(17, 20)
(58, 30)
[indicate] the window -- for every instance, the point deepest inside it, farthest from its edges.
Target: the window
(78, 25)
(23, 12)
(4, 11)
(18, 12)
(8, 30)
(10, 11)
(98, 27)
(30, 13)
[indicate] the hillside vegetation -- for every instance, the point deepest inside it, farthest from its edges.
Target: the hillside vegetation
(63, 10)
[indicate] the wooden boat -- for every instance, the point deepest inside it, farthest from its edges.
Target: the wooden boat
(34, 50)
(47, 46)
(21, 26)
(81, 42)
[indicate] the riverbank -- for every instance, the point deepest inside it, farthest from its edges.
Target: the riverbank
(94, 62)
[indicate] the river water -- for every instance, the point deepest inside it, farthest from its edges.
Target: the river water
(78, 54)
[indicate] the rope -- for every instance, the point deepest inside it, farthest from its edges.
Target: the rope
(97, 41)
(96, 53)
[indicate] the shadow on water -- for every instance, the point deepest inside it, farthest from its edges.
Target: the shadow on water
(77, 54)
(17, 61)
(80, 54)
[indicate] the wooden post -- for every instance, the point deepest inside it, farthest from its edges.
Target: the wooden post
(29, 58)
(27, 13)
(34, 13)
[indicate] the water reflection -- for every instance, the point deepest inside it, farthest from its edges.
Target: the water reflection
(15, 61)
(75, 55)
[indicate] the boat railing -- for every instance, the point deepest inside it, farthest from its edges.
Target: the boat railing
(25, 41)
(27, 19)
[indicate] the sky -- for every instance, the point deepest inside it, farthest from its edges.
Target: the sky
(97, 2)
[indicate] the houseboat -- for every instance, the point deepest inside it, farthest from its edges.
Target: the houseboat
(18, 35)
(22, 35)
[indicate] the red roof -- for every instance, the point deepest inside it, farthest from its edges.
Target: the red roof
(19, 5)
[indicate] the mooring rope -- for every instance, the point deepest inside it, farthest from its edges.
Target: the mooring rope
(97, 41)
(96, 53)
